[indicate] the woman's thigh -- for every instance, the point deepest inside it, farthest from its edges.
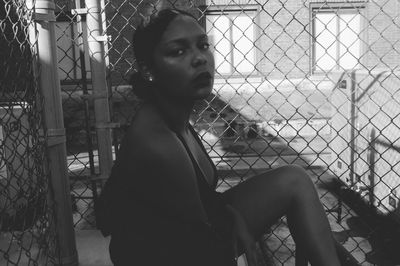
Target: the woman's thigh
(264, 198)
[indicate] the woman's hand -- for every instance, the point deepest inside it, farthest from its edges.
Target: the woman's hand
(241, 236)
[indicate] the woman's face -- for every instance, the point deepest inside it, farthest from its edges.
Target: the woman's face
(183, 63)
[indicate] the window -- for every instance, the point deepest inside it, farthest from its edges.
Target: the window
(336, 38)
(69, 49)
(232, 38)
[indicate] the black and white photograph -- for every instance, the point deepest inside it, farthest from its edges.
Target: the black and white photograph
(199, 132)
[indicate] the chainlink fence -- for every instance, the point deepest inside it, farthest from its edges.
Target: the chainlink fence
(313, 83)
(27, 235)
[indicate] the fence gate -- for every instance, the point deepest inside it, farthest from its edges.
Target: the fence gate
(313, 83)
(27, 219)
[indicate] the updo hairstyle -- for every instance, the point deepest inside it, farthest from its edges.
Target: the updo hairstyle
(145, 39)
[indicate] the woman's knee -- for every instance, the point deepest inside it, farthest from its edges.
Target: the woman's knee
(296, 177)
(285, 181)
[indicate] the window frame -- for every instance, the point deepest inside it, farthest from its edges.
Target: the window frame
(343, 8)
(235, 11)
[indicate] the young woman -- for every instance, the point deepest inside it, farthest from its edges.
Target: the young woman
(161, 195)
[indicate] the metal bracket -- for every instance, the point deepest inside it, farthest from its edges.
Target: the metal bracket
(55, 136)
(43, 17)
(79, 11)
(53, 141)
(107, 125)
(102, 38)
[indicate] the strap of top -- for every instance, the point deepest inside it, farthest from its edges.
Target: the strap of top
(198, 169)
(196, 136)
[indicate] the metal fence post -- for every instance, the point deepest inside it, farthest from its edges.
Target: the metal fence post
(353, 124)
(371, 162)
(55, 131)
(96, 41)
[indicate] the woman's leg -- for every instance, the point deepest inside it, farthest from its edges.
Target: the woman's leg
(289, 191)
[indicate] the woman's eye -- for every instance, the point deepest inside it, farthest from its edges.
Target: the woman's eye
(177, 52)
(205, 46)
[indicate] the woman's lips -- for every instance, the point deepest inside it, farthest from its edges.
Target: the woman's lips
(202, 80)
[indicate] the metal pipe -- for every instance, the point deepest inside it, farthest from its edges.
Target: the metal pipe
(372, 153)
(352, 143)
(54, 130)
(96, 41)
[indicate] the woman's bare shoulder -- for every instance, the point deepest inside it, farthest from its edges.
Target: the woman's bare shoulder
(149, 133)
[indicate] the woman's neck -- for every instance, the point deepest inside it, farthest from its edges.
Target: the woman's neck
(176, 112)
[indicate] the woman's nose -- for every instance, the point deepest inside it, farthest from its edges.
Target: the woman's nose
(199, 59)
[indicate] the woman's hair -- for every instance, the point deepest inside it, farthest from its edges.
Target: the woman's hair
(145, 39)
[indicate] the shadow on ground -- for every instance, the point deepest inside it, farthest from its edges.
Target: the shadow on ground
(382, 232)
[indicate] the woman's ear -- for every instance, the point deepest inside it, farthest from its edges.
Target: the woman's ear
(146, 72)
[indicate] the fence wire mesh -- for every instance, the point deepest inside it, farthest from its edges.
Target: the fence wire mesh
(27, 235)
(313, 83)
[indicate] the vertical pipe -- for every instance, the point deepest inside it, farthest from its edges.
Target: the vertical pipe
(100, 92)
(352, 126)
(55, 132)
(372, 154)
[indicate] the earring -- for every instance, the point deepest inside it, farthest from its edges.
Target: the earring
(149, 77)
